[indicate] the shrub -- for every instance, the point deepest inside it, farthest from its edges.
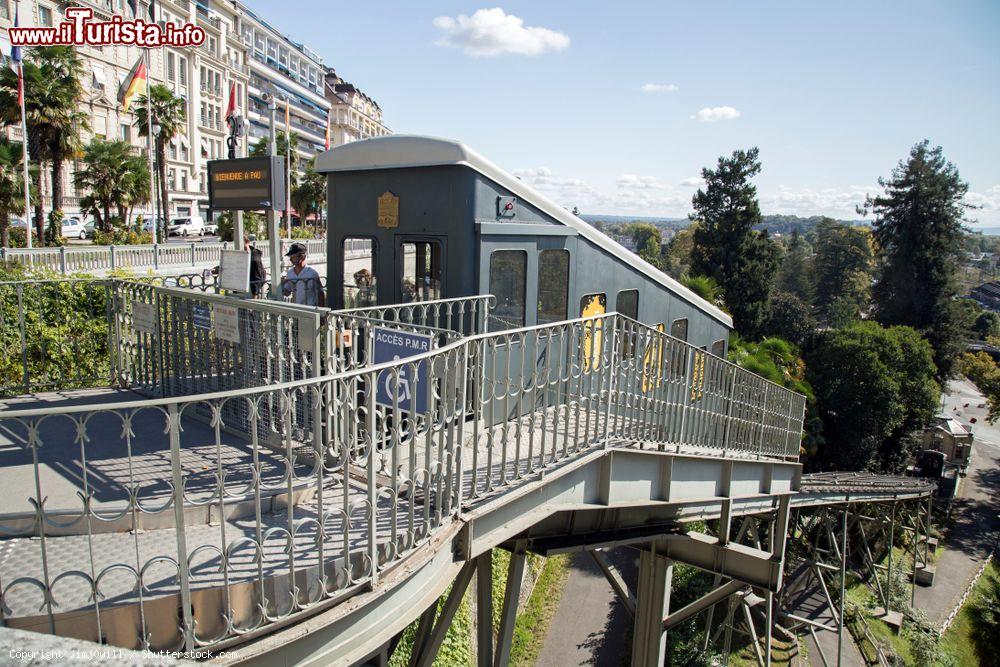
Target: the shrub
(119, 236)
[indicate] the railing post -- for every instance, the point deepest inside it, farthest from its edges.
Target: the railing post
(62, 259)
(174, 426)
(112, 247)
(193, 263)
(156, 256)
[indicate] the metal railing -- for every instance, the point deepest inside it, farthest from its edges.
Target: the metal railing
(332, 481)
(75, 259)
(468, 314)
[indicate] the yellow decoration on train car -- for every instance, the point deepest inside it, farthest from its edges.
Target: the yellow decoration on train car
(698, 375)
(593, 305)
(652, 359)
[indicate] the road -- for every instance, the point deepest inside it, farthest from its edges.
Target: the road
(977, 510)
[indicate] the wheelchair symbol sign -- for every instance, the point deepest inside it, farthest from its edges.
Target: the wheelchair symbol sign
(406, 388)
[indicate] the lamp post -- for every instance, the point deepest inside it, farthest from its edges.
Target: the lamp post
(155, 129)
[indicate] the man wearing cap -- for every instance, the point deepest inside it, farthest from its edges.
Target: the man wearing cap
(301, 281)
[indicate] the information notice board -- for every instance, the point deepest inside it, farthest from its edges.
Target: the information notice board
(234, 271)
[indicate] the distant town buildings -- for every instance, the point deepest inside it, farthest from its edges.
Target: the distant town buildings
(241, 47)
(353, 114)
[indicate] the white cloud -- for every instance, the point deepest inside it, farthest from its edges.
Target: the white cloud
(712, 114)
(693, 182)
(659, 88)
(835, 202)
(493, 32)
(986, 201)
(633, 181)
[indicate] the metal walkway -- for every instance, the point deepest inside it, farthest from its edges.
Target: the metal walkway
(310, 507)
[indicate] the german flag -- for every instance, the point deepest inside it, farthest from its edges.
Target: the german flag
(133, 85)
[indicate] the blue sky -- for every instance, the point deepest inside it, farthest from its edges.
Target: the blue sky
(833, 94)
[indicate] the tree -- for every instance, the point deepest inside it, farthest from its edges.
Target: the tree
(169, 112)
(918, 238)
(52, 94)
(725, 245)
(795, 274)
(262, 148)
(842, 269)
(875, 389)
(11, 187)
(987, 324)
(789, 317)
(309, 194)
(704, 287)
(114, 177)
(677, 258)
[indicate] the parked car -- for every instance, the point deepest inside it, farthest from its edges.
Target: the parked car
(212, 228)
(18, 222)
(148, 223)
(186, 226)
(73, 228)
(89, 229)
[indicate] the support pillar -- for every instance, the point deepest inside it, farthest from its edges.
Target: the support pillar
(843, 585)
(649, 641)
(484, 610)
(892, 533)
(511, 596)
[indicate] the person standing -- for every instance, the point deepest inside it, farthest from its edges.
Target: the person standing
(258, 276)
(302, 281)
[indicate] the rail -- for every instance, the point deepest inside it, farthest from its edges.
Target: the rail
(236, 528)
(67, 260)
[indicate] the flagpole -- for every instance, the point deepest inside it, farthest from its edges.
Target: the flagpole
(149, 146)
(288, 171)
(24, 155)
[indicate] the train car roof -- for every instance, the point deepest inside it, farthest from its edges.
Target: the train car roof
(404, 151)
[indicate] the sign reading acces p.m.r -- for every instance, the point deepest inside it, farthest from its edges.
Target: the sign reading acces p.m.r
(246, 184)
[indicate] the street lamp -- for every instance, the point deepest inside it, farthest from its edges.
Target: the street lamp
(156, 128)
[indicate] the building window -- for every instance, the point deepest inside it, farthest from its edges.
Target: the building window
(553, 285)
(44, 16)
(719, 348)
(182, 67)
(508, 280)
(126, 132)
(679, 329)
(359, 273)
(171, 67)
(627, 303)
(172, 179)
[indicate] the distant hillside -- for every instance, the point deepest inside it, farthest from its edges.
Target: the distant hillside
(781, 224)
(985, 231)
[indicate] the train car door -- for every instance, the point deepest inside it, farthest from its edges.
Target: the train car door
(419, 271)
(530, 276)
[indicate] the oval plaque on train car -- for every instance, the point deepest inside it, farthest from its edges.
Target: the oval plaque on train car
(388, 210)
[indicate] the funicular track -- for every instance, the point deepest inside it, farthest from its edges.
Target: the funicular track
(307, 520)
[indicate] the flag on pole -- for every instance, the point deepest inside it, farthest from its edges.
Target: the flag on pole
(231, 109)
(288, 122)
(134, 6)
(17, 57)
(328, 133)
(133, 85)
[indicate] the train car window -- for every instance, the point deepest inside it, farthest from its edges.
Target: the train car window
(553, 285)
(359, 272)
(421, 271)
(508, 279)
(592, 305)
(679, 329)
(719, 348)
(627, 303)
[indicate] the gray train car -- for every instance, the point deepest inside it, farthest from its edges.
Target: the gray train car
(420, 218)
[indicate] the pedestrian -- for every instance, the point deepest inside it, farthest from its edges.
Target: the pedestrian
(302, 281)
(258, 277)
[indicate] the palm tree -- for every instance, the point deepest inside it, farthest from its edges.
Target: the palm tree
(114, 176)
(263, 146)
(170, 115)
(11, 187)
(52, 94)
(309, 195)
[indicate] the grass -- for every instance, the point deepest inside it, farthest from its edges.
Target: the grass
(959, 641)
(533, 622)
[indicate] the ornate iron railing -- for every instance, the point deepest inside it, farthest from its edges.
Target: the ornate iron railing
(170, 523)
